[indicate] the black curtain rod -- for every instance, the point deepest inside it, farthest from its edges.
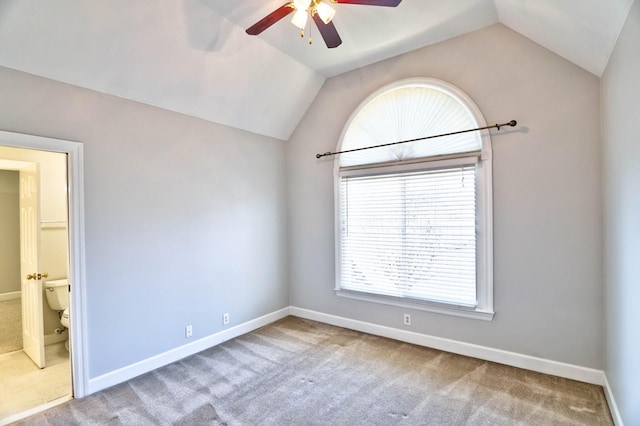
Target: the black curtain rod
(511, 123)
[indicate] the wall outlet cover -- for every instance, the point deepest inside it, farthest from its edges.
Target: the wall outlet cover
(407, 319)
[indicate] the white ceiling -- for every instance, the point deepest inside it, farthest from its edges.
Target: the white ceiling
(193, 56)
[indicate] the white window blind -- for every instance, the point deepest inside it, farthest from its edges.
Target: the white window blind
(407, 112)
(414, 223)
(410, 234)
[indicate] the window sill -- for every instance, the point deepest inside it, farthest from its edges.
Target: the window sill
(439, 308)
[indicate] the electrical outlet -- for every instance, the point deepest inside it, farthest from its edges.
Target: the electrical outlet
(407, 319)
(225, 319)
(188, 331)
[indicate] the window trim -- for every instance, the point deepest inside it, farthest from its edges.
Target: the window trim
(484, 216)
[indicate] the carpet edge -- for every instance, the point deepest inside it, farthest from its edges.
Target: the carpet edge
(128, 372)
(513, 359)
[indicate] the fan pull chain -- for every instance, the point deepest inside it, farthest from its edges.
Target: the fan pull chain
(302, 30)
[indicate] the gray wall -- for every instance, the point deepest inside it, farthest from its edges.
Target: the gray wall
(185, 219)
(621, 149)
(547, 195)
(9, 232)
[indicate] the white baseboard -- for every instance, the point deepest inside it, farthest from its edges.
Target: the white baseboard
(130, 371)
(541, 365)
(613, 407)
(10, 296)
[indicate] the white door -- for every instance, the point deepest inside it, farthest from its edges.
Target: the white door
(32, 314)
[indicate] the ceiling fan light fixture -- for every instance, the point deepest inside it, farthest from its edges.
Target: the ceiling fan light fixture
(325, 12)
(321, 13)
(300, 18)
(301, 5)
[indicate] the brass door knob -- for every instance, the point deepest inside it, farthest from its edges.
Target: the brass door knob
(35, 276)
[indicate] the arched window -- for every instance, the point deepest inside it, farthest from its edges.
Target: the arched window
(414, 219)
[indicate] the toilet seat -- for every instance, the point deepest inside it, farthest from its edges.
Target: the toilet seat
(65, 318)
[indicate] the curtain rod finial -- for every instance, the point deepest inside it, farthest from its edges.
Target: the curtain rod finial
(512, 123)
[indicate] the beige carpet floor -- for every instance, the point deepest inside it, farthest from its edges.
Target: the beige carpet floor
(299, 372)
(10, 326)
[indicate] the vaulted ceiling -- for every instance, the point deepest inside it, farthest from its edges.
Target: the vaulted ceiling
(193, 56)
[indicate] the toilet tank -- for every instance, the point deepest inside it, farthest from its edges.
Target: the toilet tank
(57, 292)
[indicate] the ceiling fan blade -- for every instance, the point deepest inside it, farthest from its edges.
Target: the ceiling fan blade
(271, 19)
(389, 3)
(328, 32)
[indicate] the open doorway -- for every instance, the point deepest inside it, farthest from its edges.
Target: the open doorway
(35, 364)
(49, 367)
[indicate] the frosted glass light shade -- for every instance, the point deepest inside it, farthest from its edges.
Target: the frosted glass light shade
(300, 18)
(325, 12)
(408, 111)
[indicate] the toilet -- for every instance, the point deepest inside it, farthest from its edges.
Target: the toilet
(57, 292)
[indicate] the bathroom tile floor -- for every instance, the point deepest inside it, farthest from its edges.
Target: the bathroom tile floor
(25, 386)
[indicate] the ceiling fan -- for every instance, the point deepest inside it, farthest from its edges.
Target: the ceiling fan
(320, 12)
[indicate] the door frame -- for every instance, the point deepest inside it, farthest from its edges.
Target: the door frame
(77, 273)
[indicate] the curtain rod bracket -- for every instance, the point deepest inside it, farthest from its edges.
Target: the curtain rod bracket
(511, 123)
